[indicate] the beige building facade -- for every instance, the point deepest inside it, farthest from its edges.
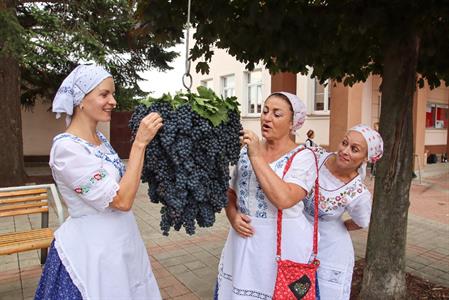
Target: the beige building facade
(39, 126)
(332, 108)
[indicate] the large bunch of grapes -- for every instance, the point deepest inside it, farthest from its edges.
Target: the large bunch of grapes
(187, 163)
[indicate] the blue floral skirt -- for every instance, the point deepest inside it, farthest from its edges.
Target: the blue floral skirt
(55, 283)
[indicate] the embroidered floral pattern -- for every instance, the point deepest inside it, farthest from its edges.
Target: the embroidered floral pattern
(243, 184)
(342, 199)
(331, 201)
(260, 208)
(262, 204)
(86, 187)
(251, 293)
(112, 157)
(115, 160)
(319, 152)
(242, 292)
(65, 90)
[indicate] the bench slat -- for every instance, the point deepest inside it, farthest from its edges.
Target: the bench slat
(23, 212)
(25, 246)
(23, 206)
(30, 234)
(23, 192)
(25, 240)
(23, 199)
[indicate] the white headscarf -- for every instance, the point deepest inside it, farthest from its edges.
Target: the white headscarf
(75, 86)
(299, 110)
(374, 142)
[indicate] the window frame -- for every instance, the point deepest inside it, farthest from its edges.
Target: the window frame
(437, 105)
(249, 85)
(205, 83)
(326, 97)
(224, 88)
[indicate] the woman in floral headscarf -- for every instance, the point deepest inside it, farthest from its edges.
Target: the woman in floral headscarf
(97, 252)
(342, 190)
(247, 268)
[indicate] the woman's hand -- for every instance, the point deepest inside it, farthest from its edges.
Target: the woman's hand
(250, 139)
(148, 128)
(351, 225)
(241, 224)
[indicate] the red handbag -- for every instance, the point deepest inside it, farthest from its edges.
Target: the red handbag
(297, 280)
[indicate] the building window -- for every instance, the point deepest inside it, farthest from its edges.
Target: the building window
(228, 86)
(437, 115)
(207, 83)
(254, 96)
(322, 101)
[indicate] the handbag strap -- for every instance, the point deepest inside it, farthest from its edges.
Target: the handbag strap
(315, 217)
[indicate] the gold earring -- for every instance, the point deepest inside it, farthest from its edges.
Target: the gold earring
(81, 107)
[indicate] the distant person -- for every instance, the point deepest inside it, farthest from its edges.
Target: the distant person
(373, 165)
(310, 136)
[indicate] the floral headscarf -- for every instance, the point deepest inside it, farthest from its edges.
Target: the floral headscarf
(373, 140)
(75, 86)
(299, 110)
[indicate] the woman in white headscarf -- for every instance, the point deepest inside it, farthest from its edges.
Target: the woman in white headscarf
(342, 190)
(247, 268)
(97, 252)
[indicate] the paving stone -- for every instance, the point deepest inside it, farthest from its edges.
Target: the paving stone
(206, 273)
(6, 287)
(185, 266)
(189, 296)
(178, 269)
(9, 266)
(206, 294)
(195, 265)
(416, 266)
(177, 290)
(191, 281)
(432, 272)
(12, 295)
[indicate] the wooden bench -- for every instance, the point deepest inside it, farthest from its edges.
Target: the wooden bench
(25, 200)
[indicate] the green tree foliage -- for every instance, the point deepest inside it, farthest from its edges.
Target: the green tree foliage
(57, 35)
(405, 42)
(47, 39)
(342, 40)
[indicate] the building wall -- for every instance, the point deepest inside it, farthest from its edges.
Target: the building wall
(436, 136)
(223, 64)
(318, 122)
(375, 99)
(39, 126)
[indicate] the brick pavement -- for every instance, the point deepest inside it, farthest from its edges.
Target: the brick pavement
(186, 266)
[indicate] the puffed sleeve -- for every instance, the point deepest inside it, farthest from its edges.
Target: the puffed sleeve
(302, 171)
(360, 210)
(78, 169)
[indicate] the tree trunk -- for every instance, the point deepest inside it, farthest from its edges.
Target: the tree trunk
(12, 171)
(384, 275)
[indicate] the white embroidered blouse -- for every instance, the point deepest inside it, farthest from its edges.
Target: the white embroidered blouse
(100, 247)
(251, 199)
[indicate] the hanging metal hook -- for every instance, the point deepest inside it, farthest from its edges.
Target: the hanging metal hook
(187, 84)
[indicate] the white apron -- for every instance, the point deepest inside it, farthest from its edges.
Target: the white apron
(100, 247)
(247, 268)
(335, 250)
